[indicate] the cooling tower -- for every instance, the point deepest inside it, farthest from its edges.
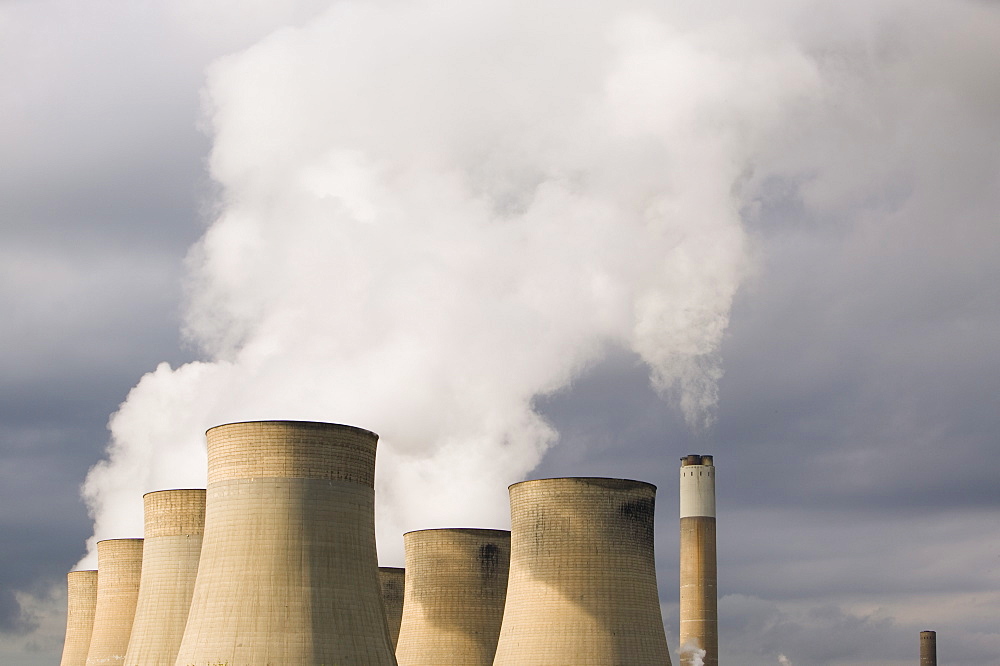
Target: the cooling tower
(928, 648)
(175, 521)
(456, 582)
(582, 588)
(699, 626)
(288, 571)
(393, 581)
(81, 601)
(119, 566)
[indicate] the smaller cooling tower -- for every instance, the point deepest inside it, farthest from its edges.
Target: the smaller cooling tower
(81, 601)
(393, 581)
(928, 648)
(175, 522)
(582, 588)
(456, 583)
(119, 567)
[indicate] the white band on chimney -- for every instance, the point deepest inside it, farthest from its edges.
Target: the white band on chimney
(697, 491)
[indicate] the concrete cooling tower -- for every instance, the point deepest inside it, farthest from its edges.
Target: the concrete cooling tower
(582, 588)
(175, 521)
(392, 581)
(699, 625)
(119, 567)
(928, 648)
(288, 573)
(456, 583)
(81, 602)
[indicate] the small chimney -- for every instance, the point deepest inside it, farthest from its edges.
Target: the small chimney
(928, 648)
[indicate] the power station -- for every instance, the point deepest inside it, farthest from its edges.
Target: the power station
(81, 602)
(456, 583)
(582, 575)
(119, 567)
(174, 524)
(699, 615)
(288, 571)
(275, 563)
(392, 580)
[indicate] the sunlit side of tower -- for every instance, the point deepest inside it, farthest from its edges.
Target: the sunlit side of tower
(392, 581)
(582, 588)
(456, 583)
(288, 571)
(699, 620)
(81, 602)
(174, 523)
(119, 567)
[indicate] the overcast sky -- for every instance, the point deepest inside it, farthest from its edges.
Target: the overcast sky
(520, 240)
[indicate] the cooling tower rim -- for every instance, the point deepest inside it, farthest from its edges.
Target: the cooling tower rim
(481, 531)
(601, 480)
(320, 424)
(82, 571)
(125, 539)
(392, 568)
(171, 490)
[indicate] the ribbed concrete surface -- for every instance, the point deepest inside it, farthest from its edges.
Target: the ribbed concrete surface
(456, 583)
(175, 522)
(582, 588)
(81, 602)
(288, 572)
(928, 648)
(119, 568)
(392, 580)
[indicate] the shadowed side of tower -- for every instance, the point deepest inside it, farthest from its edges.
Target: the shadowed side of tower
(81, 602)
(393, 582)
(456, 583)
(288, 571)
(582, 588)
(119, 567)
(699, 617)
(174, 524)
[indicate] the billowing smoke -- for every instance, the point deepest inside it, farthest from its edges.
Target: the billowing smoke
(431, 213)
(783, 660)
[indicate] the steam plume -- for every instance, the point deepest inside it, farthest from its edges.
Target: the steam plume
(432, 212)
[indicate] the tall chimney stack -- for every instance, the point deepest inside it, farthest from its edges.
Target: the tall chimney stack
(928, 648)
(699, 626)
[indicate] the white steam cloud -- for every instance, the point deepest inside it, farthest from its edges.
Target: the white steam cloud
(432, 212)
(692, 655)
